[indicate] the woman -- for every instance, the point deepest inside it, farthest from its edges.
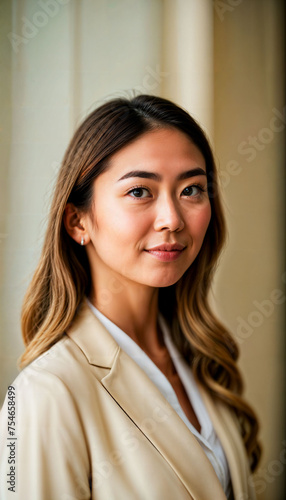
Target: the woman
(130, 388)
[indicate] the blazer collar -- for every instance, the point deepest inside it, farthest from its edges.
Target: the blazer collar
(144, 404)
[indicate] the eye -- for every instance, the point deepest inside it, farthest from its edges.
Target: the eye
(139, 192)
(194, 190)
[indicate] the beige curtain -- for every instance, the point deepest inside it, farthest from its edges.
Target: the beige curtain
(219, 59)
(249, 124)
(187, 55)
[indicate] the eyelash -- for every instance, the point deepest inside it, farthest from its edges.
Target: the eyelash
(137, 187)
(198, 186)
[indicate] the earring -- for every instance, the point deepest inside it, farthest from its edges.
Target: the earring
(82, 241)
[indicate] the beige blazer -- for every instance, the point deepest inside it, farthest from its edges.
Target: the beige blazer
(90, 424)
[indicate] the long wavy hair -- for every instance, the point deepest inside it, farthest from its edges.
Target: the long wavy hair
(62, 277)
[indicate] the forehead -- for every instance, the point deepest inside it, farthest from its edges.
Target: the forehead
(158, 150)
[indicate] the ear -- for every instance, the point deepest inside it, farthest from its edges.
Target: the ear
(74, 225)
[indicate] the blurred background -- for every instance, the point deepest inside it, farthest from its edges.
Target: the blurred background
(222, 60)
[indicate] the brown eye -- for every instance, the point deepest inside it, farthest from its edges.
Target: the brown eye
(192, 191)
(139, 192)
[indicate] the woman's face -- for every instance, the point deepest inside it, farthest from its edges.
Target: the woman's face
(150, 211)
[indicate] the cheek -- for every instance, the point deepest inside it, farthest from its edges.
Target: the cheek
(115, 222)
(199, 222)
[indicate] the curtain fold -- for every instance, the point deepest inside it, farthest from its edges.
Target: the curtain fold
(188, 58)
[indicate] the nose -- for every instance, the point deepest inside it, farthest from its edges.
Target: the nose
(168, 216)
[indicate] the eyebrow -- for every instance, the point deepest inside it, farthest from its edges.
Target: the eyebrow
(156, 177)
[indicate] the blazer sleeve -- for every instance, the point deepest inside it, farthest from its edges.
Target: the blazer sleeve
(51, 451)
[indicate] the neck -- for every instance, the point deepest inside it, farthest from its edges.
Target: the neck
(134, 309)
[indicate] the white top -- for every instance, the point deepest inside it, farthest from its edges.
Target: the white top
(207, 438)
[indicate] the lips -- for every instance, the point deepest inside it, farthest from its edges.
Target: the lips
(166, 252)
(167, 247)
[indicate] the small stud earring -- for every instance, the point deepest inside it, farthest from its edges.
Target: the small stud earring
(82, 241)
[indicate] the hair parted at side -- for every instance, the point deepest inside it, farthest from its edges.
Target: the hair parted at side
(62, 277)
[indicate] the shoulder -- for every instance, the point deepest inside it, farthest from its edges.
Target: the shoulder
(72, 367)
(57, 366)
(46, 418)
(60, 378)
(46, 376)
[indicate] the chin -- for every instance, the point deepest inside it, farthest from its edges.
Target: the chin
(164, 281)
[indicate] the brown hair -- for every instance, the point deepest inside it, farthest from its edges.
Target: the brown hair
(62, 277)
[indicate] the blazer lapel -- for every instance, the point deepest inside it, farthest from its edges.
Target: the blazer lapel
(144, 404)
(229, 435)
